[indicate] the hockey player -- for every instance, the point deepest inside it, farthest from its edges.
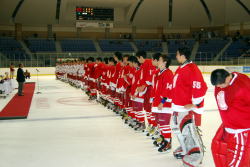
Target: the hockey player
(145, 83)
(129, 117)
(99, 67)
(89, 75)
(84, 77)
(81, 72)
(110, 87)
(189, 90)
(121, 85)
(152, 128)
(162, 88)
(58, 71)
(113, 83)
(231, 144)
(137, 97)
(103, 82)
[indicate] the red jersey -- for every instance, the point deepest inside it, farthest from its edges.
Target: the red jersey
(88, 68)
(135, 82)
(234, 102)
(162, 89)
(91, 71)
(147, 69)
(189, 87)
(152, 94)
(98, 70)
(115, 76)
(110, 75)
(104, 74)
(129, 77)
(85, 70)
(121, 79)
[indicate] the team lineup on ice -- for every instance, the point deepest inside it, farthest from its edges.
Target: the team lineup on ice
(159, 117)
(153, 100)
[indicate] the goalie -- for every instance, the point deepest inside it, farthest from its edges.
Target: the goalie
(231, 144)
(189, 90)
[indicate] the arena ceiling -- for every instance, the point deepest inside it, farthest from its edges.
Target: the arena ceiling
(150, 14)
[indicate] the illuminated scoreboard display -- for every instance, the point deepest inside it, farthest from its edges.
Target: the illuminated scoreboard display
(86, 13)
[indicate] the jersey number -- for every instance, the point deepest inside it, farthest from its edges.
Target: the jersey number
(196, 85)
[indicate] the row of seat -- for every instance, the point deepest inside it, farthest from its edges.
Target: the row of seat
(207, 50)
(12, 49)
(173, 45)
(115, 45)
(236, 48)
(78, 46)
(149, 45)
(41, 45)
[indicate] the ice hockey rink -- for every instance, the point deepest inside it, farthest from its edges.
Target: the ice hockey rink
(64, 129)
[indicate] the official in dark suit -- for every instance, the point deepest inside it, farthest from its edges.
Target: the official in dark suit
(20, 79)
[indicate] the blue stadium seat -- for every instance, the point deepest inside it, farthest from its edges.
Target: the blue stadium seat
(41, 45)
(149, 45)
(173, 45)
(78, 46)
(12, 49)
(115, 45)
(208, 49)
(236, 49)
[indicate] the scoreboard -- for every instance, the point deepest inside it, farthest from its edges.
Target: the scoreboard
(88, 13)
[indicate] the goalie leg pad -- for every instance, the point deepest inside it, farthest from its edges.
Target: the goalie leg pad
(194, 146)
(190, 140)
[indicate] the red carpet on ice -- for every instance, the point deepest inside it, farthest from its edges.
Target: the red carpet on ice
(19, 106)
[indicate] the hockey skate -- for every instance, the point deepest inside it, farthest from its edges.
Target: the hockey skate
(191, 160)
(87, 93)
(151, 131)
(156, 134)
(124, 116)
(178, 153)
(165, 146)
(133, 123)
(109, 105)
(92, 98)
(126, 120)
(137, 125)
(122, 113)
(130, 122)
(115, 108)
(148, 129)
(105, 102)
(158, 141)
(140, 127)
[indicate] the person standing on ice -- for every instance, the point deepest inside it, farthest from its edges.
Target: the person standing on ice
(144, 87)
(189, 89)
(231, 144)
(161, 107)
(20, 79)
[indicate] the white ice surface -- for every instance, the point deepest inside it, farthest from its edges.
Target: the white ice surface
(65, 130)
